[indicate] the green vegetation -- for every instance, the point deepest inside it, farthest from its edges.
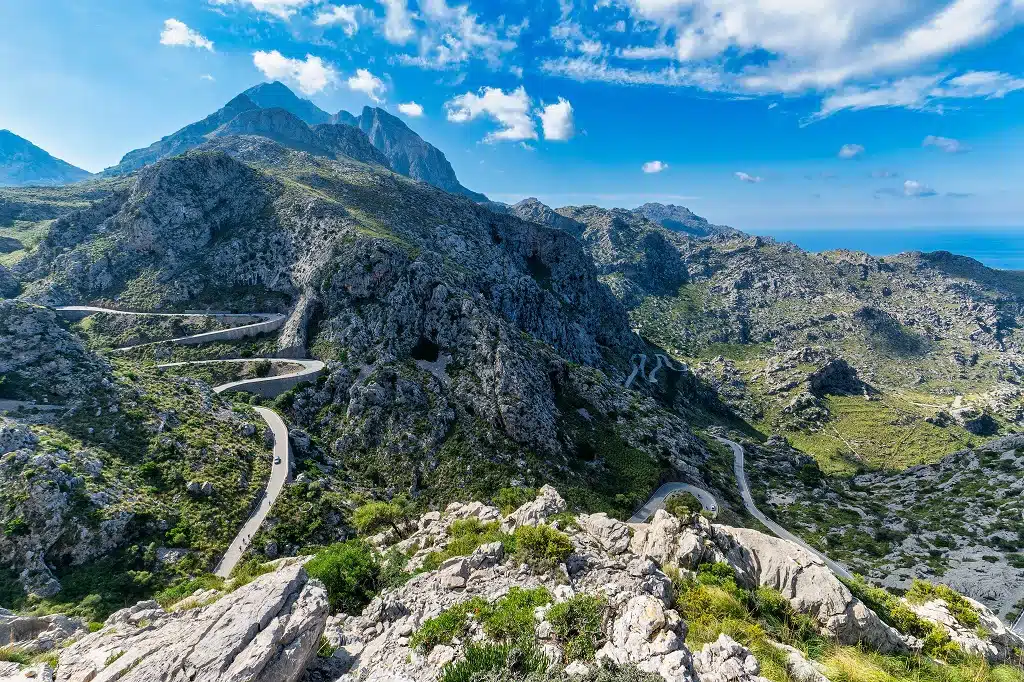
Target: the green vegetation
(466, 535)
(375, 516)
(10, 654)
(510, 499)
(353, 574)
(922, 591)
(507, 620)
(683, 505)
(576, 623)
(541, 547)
(511, 662)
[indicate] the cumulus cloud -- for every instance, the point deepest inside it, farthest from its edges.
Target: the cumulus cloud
(411, 109)
(557, 120)
(913, 188)
(654, 166)
(310, 75)
(510, 110)
(946, 144)
(365, 82)
(746, 177)
(282, 9)
(397, 21)
(345, 16)
(177, 33)
(851, 151)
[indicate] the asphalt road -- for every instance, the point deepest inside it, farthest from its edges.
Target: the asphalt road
(657, 501)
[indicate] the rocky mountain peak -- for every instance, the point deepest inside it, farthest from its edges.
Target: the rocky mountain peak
(681, 219)
(23, 163)
(278, 95)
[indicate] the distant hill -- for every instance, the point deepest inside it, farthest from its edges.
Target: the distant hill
(23, 163)
(682, 219)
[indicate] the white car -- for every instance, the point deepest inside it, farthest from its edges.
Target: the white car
(277, 460)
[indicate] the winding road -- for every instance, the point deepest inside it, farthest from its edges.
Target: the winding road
(638, 368)
(657, 501)
(267, 387)
(748, 502)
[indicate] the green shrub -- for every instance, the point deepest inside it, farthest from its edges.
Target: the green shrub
(922, 591)
(447, 625)
(466, 535)
(175, 593)
(9, 654)
(373, 516)
(510, 619)
(541, 547)
(351, 572)
(576, 623)
(508, 661)
(325, 649)
(683, 505)
(510, 499)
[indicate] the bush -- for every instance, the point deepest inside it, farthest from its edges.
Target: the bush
(9, 654)
(447, 625)
(510, 619)
(373, 516)
(576, 623)
(509, 661)
(175, 593)
(541, 547)
(510, 499)
(350, 571)
(922, 591)
(466, 535)
(683, 505)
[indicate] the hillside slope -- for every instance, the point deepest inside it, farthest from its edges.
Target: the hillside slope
(23, 163)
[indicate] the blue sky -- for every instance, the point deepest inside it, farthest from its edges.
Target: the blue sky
(762, 114)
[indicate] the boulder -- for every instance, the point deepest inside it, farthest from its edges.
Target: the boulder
(613, 535)
(998, 642)
(38, 634)
(536, 512)
(726, 660)
(266, 631)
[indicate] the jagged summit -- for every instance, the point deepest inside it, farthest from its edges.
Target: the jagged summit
(278, 95)
(407, 152)
(23, 163)
(272, 110)
(682, 219)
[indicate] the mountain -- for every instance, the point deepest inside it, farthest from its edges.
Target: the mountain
(308, 128)
(23, 163)
(407, 152)
(682, 219)
(277, 95)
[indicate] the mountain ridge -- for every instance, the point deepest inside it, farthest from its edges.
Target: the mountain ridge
(24, 163)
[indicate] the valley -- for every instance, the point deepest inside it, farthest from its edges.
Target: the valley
(280, 333)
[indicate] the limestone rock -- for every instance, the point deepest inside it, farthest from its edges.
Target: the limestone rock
(998, 643)
(613, 535)
(536, 512)
(38, 634)
(265, 631)
(726, 660)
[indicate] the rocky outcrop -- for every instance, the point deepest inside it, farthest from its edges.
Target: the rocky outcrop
(9, 287)
(998, 643)
(726, 660)
(548, 503)
(762, 560)
(38, 634)
(682, 219)
(266, 631)
(35, 349)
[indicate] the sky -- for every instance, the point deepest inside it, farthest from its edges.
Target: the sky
(761, 114)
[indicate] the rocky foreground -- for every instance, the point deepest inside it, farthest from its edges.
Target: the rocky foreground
(278, 628)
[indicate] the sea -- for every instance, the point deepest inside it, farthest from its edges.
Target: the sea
(996, 247)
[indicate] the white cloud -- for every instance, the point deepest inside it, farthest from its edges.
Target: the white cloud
(558, 120)
(946, 144)
(911, 93)
(346, 16)
(448, 36)
(644, 53)
(851, 151)
(654, 166)
(365, 82)
(310, 75)
(411, 109)
(207, 77)
(177, 33)
(913, 188)
(397, 21)
(282, 9)
(510, 110)
(988, 84)
(746, 177)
